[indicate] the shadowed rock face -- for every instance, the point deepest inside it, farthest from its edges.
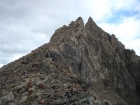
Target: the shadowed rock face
(81, 65)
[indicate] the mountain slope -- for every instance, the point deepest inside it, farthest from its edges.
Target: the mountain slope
(81, 65)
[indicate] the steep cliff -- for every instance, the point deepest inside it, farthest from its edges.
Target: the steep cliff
(81, 65)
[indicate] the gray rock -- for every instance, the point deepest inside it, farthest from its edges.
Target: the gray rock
(12, 104)
(0, 101)
(23, 99)
(9, 97)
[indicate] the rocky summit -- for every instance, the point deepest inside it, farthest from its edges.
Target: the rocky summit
(81, 65)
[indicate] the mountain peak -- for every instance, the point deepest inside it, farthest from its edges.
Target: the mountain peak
(80, 21)
(90, 20)
(90, 25)
(80, 65)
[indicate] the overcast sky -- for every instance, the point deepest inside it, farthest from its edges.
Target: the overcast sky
(28, 24)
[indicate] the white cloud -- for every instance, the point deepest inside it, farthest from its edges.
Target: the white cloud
(130, 5)
(16, 56)
(99, 9)
(102, 10)
(1, 65)
(128, 29)
(127, 32)
(133, 44)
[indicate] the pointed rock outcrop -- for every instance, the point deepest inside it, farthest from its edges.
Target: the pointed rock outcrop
(91, 25)
(80, 21)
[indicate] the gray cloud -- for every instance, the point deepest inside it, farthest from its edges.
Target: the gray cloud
(27, 24)
(33, 22)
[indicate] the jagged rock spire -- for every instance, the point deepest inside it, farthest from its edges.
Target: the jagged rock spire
(65, 33)
(80, 21)
(90, 22)
(90, 25)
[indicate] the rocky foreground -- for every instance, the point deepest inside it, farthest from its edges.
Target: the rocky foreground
(81, 65)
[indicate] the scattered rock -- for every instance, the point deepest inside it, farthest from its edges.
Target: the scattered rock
(31, 90)
(0, 101)
(29, 83)
(12, 104)
(41, 85)
(41, 101)
(23, 99)
(33, 69)
(9, 97)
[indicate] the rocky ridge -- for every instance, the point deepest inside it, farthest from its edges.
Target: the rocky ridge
(81, 65)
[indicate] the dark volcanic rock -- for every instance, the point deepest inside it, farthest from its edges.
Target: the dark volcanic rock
(81, 65)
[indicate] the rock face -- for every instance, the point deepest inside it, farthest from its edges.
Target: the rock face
(81, 65)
